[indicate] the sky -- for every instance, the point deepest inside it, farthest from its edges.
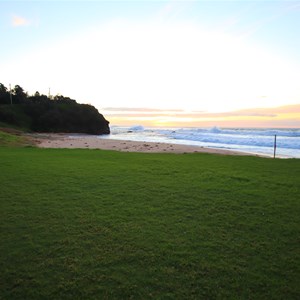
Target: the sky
(160, 63)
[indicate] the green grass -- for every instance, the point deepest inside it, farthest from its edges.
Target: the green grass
(91, 224)
(8, 139)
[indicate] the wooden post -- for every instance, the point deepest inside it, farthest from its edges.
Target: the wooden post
(275, 146)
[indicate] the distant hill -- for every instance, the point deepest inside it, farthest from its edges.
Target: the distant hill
(43, 114)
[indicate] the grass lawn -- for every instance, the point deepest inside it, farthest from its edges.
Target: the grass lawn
(91, 224)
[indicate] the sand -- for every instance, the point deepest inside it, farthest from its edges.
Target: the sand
(52, 140)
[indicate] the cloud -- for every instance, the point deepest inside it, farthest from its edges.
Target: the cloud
(262, 22)
(286, 109)
(178, 65)
(269, 112)
(153, 114)
(18, 21)
(139, 109)
(294, 6)
(170, 10)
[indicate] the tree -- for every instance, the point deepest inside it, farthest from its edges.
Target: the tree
(40, 113)
(19, 95)
(4, 95)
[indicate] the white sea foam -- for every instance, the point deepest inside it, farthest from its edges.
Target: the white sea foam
(137, 128)
(247, 140)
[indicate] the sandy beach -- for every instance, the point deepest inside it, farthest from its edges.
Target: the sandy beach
(52, 140)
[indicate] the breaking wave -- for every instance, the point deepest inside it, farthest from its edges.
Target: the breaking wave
(251, 140)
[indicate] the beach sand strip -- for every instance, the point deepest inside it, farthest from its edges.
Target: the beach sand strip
(52, 140)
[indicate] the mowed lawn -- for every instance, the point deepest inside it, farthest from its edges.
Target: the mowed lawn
(91, 224)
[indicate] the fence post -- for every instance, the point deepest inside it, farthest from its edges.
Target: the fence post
(275, 146)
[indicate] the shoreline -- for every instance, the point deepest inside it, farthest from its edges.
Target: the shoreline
(63, 140)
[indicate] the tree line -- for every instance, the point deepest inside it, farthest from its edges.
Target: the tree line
(42, 113)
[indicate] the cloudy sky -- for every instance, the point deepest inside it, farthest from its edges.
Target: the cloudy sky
(165, 63)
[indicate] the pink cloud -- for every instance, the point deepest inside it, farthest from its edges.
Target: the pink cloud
(18, 21)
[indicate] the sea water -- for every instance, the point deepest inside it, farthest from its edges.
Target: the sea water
(250, 140)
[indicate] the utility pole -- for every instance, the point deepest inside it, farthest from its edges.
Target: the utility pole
(10, 94)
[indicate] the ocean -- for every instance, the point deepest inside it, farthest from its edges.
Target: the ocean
(250, 140)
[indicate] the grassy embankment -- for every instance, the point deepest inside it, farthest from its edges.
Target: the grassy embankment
(10, 137)
(101, 224)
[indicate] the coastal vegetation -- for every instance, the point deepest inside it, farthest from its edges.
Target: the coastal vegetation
(49, 114)
(92, 224)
